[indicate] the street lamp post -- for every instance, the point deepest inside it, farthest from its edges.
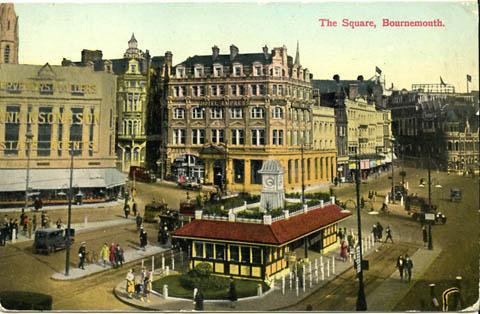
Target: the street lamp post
(303, 172)
(361, 300)
(69, 215)
(393, 171)
(430, 238)
(29, 137)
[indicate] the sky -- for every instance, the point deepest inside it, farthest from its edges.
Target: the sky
(50, 32)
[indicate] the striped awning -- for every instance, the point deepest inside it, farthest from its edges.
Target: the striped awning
(12, 180)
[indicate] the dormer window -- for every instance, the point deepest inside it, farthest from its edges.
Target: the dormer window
(237, 70)
(198, 71)
(46, 89)
(277, 71)
(180, 72)
(133, 68)
(258, 70)
(217, 71)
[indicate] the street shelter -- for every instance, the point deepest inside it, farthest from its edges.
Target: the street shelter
(257, 248)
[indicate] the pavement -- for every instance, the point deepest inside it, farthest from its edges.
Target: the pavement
(58, 207)
(130, 255)
(383, 298)
(82, 227)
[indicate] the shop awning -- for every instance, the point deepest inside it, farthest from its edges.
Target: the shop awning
(12, 180)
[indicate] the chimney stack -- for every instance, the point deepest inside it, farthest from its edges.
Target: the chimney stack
(265, 51)
(353, 91)
(360, 78)
(215, 52)
(336, 78)
(233, 52)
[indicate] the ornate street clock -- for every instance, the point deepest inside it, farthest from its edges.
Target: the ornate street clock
(273, 193)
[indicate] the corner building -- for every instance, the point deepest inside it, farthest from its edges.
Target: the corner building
(61, 107)
(225, 114)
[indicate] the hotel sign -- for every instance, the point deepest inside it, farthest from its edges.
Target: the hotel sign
(35, 86)
(77, 145)
(218, 103)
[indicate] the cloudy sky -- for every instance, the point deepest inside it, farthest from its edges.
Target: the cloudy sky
(50, 32)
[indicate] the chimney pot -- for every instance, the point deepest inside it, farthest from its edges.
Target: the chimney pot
(233, 52)
(215, 52)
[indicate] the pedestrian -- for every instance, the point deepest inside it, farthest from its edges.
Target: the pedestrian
(408, 266)
(300, 275)
(112, 256)
(130, 283)
(375, 233)
(22, 216)
(232, 292)
(138, 220)
(82, 253)
(380, 231)
(37, 204)
(59, 223)
(25, 224)
(2, 235)
(119, 257)
(15, 226)
(425, 235)
(388, 233)
(29, 229)
(126, 209)
(34, 222)
(343, 250)
(340, 234)
(134, 209)
(105, 254)
(147, 286)
(143, 239)
(400, 266)
(362, 201)
(199, 300)
(43, 220)
(5, 220)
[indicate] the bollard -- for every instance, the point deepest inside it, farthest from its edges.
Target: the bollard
(328, 268)
(316, 276)
(303, 277)
(163, 262)
(291, 279)
(321, 259)
(153, 264)
(322, 271)
(406, 185)
(195, 290)
(143, 263)
(435, 303)
(259, 290)
(310, 274)
(14, 235)
(333, 265)
(296, 285)
(165, 291)
(167, 270)
(350, 257)
(316, 264)
(85, 221)
(173, 263)
(283, 284)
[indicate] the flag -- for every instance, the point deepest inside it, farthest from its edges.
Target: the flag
(377, 70)
(469, 78)
(442, 82)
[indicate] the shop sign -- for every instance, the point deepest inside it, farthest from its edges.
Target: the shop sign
(352, 165)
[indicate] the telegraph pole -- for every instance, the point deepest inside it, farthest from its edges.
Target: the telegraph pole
(29, 137)
(361, 300)
(69, 215)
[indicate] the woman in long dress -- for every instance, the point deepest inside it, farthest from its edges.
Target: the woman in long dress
(130, 283)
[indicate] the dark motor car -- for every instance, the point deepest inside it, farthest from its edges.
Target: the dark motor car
(455, 195)
(399, 191)
(51, 239)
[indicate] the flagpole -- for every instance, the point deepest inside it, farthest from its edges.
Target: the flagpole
(467, 86)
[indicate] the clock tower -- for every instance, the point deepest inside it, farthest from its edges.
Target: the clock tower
(273, 193)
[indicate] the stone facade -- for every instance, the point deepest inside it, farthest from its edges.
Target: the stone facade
(62, 108)
(133, 76)
(8, 34)
(224, 114)
(441, 117)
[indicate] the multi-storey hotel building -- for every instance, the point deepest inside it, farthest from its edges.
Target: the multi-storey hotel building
(224, 114)
(45, 111)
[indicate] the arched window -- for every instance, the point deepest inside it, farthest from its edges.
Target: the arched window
(6, 54)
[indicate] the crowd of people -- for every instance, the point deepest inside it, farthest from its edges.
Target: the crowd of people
(139, 285)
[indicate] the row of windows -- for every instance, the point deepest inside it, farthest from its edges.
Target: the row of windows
(132, 127)
(257, 137)
(235, 113)
(237, 70)
(132, 102)
(237, 253)
(239, 90)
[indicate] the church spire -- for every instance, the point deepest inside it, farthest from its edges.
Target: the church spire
(8, 34)
(132, 43)
(297, 55)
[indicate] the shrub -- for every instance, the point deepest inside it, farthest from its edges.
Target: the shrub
(24, 300)
(201, 277)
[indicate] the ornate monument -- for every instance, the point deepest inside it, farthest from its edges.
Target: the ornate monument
(273, 193)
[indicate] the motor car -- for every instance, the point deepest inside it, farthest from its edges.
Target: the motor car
(50, 240)
(455, 195)
(399, 191)
(141, 174)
